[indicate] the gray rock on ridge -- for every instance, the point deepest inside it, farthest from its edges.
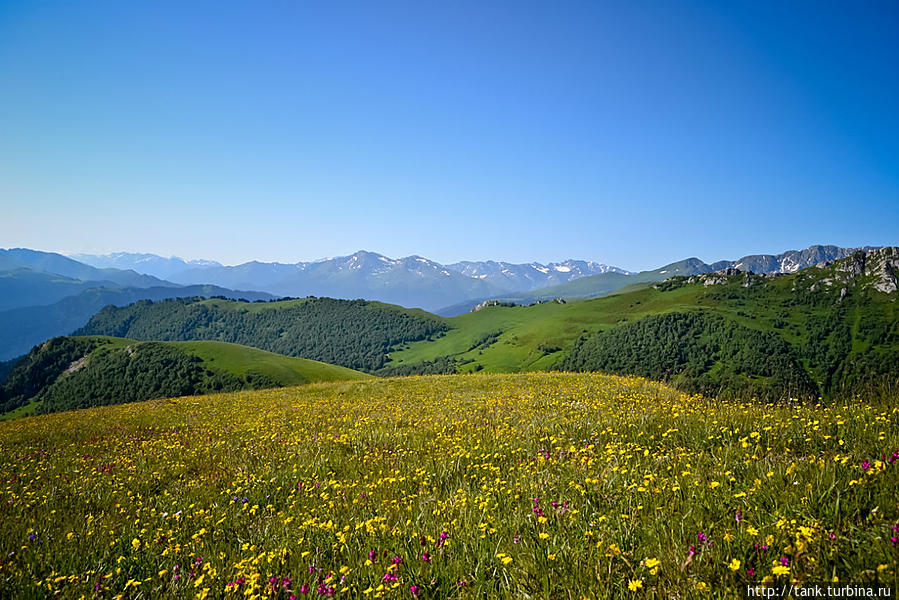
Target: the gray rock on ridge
(884, 265)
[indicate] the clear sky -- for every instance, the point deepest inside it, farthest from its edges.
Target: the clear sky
(633, 133)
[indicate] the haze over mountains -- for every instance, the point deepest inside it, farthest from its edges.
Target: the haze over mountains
(150, 264)
(416, 281)
(409, 281)
(43, 294)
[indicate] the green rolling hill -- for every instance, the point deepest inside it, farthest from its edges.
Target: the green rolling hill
(78, 372)
(353, 333)
(830, 330)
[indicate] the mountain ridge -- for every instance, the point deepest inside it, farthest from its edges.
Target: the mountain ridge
(592, 286)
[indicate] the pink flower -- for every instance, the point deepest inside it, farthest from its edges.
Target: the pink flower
(426, 557)
(414, 589)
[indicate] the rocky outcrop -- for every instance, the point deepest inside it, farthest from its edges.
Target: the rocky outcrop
(877, 268)
(883, 264)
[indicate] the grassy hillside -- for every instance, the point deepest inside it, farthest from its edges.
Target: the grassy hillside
(542, 485)
(286, 370)
(824, 331)
(353, 333)
(79, 372)
(833, 331)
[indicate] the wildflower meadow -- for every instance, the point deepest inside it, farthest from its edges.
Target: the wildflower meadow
(543, 485)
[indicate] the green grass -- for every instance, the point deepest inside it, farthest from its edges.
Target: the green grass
(772, 305)
(286, 370)
(241, 360)
(525, 328)
(101, 383)
(540, 485)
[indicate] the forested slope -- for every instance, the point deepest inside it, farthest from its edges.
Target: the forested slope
(352, 333)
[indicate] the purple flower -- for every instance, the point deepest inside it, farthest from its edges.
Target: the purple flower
(414, 589)
(785, 561)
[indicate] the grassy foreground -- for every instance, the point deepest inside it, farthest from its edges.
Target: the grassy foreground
(464, 486)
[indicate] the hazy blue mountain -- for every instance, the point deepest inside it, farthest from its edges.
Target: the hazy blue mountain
(51, 262)
(411, 281)
(148, 264)
(27, 287)
(21, 328)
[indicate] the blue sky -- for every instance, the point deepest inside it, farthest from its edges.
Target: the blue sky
(634, 133)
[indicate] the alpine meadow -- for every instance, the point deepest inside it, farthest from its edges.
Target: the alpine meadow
(449, 301)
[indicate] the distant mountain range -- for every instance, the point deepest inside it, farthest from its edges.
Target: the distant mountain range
(605, 283)
(44, 294)
(150, 264)
(410, 281)
(827, 331)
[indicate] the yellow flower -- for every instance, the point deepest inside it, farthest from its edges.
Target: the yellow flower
(135, 543)
(70, 535)
(651, 562)
(506, 560)
(551, 556)
(780, 570)
(734, 565)
(634, 584)
(543, 535)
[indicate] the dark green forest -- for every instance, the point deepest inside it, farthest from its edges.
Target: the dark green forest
(66, 373)
(805, 340)
(700, 353)
(352, 333)
(442, 365)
